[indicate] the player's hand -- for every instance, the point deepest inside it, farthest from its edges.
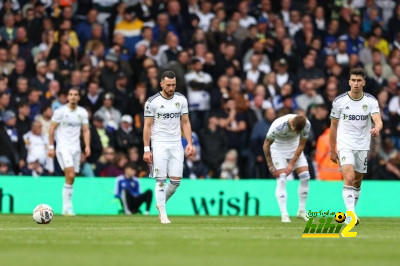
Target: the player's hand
(87, 151)
(148, 157)
(189, 150)
(289, 168)
(334, 156)
(273, 171)
(374, 132)
(51, 153)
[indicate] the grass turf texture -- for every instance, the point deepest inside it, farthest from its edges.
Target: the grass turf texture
(141, 240)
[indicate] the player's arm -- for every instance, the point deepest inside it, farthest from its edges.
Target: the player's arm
(148, 123)
(299, 150)
(86, 139)
(187, 131)
(332, 139)
(376, 117)
(52, 129)
(267, 152)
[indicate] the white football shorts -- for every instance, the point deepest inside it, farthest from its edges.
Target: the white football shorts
(67, 158)
(358, 159)
(282, 163)
(167, 161)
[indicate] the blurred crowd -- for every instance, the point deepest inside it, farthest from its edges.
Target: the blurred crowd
(241, 64)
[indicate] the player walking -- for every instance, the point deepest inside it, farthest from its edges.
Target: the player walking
(283, 149)
(67, 123)
(350, 134)
(165, 114)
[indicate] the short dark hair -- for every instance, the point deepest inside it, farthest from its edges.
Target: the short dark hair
(358, 71)
(168, 74)
(299, 122)
(22, 104)
(74, 89)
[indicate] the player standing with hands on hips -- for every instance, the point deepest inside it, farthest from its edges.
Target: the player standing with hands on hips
(67, 123)
(166, 115)
(283, 149)
(350, 135)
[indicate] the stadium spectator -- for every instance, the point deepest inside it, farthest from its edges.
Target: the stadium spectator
(229, 168)
(106, 159)
(105, 138)
(40, 82)
(180, 68)
(327, 170)
(5, 166)
(130, 27)
(389, 161)
(198, 85)
(20, 94)
(309, 96)
(214, 145)
(110, 115)
(257, 138)
(45, 118)
(116, 168)
(23, 120)
(125, 136)
(93, 98)
(135, 158)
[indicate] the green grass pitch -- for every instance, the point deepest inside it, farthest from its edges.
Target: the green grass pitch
(206, 241)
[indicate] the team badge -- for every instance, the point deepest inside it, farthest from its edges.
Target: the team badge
(178, 105)
(343, 158)
(276, 164)
(156, 171)
(364, 107)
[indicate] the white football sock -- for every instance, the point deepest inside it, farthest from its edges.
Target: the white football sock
(160, 190)
(67, 192)
(281, 194)
(348, 197)
(171, 188)
(357, 192)
(303, 190)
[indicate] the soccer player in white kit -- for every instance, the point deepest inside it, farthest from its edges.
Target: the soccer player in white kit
(166, 115)
(67, 123)
(350, 135)
(283, 149)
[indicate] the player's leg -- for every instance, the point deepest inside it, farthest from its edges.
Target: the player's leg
(357, 186)
(360, 167)
(301, 168)
(280, 190)
(347, 162)
(160, 162)
(67, 165)
(68, 191)
(175, 170)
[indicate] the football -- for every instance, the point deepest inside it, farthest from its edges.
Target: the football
(43, 214)
(340, 217)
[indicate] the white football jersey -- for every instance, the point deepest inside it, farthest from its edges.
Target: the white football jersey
(167, 117)
(285, 140)
(354, 121)
(69, 126)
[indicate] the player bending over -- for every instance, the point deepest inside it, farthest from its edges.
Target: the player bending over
(283, 149)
